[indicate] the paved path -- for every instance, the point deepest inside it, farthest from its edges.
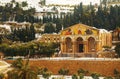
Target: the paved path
(82, 58)
(4, 66)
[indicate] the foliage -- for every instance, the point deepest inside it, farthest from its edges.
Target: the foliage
(108, 77)
(18, 63)
(74, 76)
(63, 71)
(10, 13)
(22, 70)
(24, 4)
(30, 48)
(81, 71)
(116, 74)
(105, 17)
(23, 34)
(46, 75)
(117, 49)
(81, 76)
(95, 75)
(44, 72)
(1, 76)
(49, 28)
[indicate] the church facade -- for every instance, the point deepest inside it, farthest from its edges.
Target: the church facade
(81, 38)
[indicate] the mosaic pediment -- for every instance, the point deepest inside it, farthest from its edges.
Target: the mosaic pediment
(80, 29)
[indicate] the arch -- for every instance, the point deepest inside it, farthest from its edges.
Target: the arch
(91, 36)
(68, 42)
(79, 39)
(79, 45)
(80, 36)
(91, 44)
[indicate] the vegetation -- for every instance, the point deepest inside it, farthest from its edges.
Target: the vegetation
(74, 76)
(117, 49)
(108, 77)
(101, 18)
(22, 70)
(117, 74)
(30, 48)
(105, 17)
(49, 28)
(22, 34)
(95, 75)
(63, 71)
(1, 76)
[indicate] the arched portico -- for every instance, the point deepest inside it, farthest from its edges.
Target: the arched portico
(68, 42)
(79, 45)
(91, 44)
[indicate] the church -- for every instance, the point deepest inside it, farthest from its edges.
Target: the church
(80, 39)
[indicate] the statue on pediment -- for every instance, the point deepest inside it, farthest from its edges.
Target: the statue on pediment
(68, 32)
(79, 32)
(88, 32)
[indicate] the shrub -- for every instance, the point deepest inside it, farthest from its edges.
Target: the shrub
(46, 75)
(81, 76)
(95, 75)
(117, 74)
(74, 76)
(117, 49)
(1, 76)
(82, 71)
(108, 77)
(63, 71)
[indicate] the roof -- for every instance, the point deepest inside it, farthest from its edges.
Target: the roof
(80, 24)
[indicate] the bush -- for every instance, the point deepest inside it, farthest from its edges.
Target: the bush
(95, 75)
(46, 75)
(108, 77)
(82, 71)
(1, 76)
(74, 76)
(81, 76)
(117, 74)
(117, 49)
(63, 71)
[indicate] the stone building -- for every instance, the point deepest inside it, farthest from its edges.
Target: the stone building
(116, 36)
(47, 38)
(81, 38)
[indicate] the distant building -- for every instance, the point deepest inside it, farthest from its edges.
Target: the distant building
(110, 2)
(113, 2)
(47, 38)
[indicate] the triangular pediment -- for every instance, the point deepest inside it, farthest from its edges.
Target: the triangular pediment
(80, 29)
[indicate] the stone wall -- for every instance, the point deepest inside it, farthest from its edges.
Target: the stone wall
(104, 68)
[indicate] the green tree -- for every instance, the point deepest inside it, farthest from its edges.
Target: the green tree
(63, 71)
(1, 76)
(22, 71)
(44, 72)
(24, 4)
(74, 76)
(49, 28)
(117, 49)
(108, 77)
(95, 75)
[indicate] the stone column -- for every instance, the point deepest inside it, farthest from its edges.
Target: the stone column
(74, 47)
(98, 47)
(85, 47)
